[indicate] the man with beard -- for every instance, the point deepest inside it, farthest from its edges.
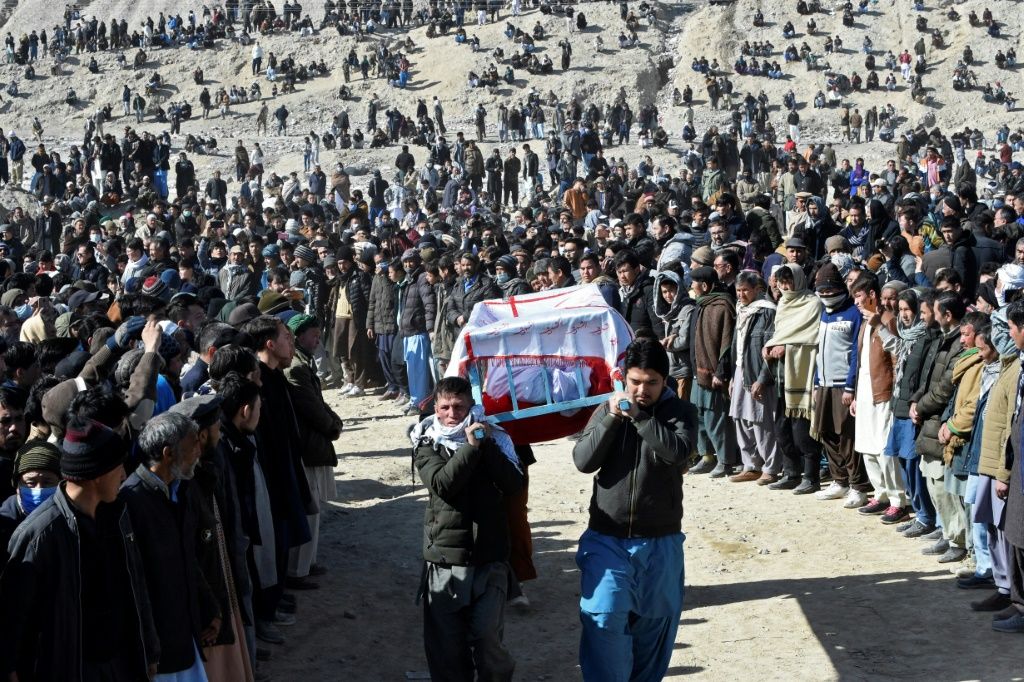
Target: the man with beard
(471, 288)
(160, 502)
(77, 553)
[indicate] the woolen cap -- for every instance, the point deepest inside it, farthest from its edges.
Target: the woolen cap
(828, 277)
(703, 255)
(305, 253)
(302, 322)
(90, 450)
(36, 455)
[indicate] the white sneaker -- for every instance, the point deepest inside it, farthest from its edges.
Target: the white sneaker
(355, 391)
(855, 499)
(346, 388)
(834, 491)
(520, 602)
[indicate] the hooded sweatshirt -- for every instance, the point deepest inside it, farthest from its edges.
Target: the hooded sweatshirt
(677, 322)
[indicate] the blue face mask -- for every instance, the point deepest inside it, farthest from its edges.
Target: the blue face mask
(31, 498)
(503, 278)
(23, 311)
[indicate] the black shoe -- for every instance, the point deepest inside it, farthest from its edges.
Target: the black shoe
(894, 515)
(704, 466)
(918, 530)
(1010, 610)
(317, 570)
(976, 582)
(938, 549)
(997, 601)
(874, 506)
(266, 632)
(785, 483)
(806, 487)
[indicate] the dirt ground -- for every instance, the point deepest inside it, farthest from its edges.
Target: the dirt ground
(777, 587)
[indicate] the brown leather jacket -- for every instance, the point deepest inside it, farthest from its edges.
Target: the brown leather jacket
(882, 362)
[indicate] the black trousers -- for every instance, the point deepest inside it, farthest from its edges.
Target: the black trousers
(800, 452)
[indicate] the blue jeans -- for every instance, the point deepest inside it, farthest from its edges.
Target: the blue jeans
(417, 366)
(631, 598)
(979, 531)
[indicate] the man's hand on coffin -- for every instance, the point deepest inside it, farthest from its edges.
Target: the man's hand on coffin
(615, 408)
(471, 433)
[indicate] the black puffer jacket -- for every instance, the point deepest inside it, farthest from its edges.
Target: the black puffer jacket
(911, 377)
(419, 304)
(462, 300)
(637, 307)
(357, 288)
(935, 390)
(383, 315)
(638, 489)
(465, 523)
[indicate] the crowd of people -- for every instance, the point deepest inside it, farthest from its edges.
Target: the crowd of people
(804, 323)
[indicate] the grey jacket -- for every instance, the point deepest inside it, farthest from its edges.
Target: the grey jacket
(758, 332)
(383, 315)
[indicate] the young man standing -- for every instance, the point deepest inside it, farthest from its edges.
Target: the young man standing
(872, 405)
(711, 332)
(469, 469)
(834, 384)
(78, 553)
(631, 555)
(926, 411)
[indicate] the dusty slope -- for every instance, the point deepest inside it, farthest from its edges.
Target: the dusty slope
(778, 587)
(441, 66)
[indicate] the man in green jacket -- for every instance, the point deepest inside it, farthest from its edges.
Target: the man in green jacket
(469, 468)
(319, 427)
